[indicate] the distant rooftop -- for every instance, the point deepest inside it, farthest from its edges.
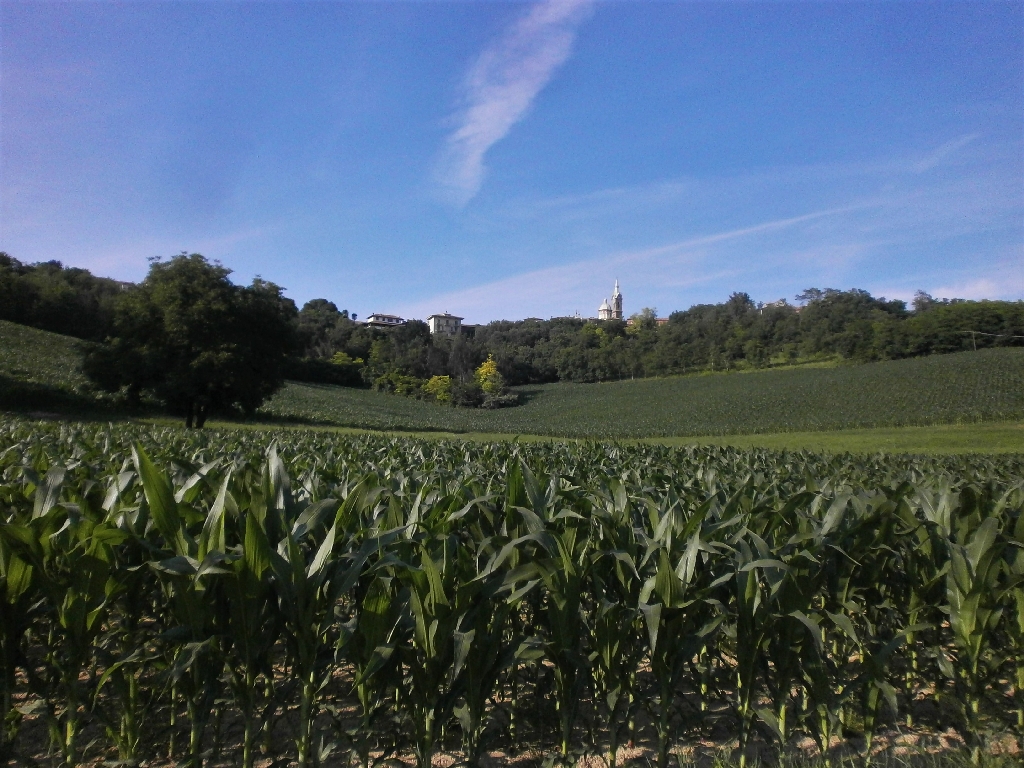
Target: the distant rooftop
(384, 321)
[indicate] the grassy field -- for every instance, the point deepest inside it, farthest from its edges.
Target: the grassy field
(981, 437)
(985, 437)
(948, 389)
(31, 356)
(43, 371)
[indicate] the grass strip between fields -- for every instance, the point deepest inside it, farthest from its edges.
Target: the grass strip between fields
(985, 438)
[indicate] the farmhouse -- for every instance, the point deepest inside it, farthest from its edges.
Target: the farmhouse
(446, 324)
(377, 320)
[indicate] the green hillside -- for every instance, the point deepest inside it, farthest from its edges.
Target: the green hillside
(31, 356)
(42, 371)
(967, 387)
(39, 369)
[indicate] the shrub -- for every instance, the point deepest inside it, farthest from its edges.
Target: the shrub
(439, 388)
(319, 371)
(488, 378)
(397, 384)
(468, 394)
(505, 400)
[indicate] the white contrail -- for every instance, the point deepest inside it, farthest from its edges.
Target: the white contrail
(547, 289)
(937, 156)
(501, 86)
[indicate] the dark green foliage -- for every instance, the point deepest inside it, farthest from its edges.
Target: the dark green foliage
(41, 371)
(467, 394)
(56, 298)
(319, 322)
(737, 334)
(315, 370)
(396, 383)
(963, 325)
(196, 342)
(234, 340)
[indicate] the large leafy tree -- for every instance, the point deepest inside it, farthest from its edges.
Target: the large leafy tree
(200, 344)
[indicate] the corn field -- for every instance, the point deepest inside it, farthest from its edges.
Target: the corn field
(349, 600)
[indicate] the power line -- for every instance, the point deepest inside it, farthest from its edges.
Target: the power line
(974, 341)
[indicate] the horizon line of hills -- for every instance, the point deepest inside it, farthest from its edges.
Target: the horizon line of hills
(332, 347)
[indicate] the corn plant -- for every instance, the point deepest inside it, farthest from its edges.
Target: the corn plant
(254, 626)
(926, 519)
(303, 579)
(972, 583)
(562, 568)
(1013, 600)
(614, 617)
(680, 613)
(189, 572)
(795, 539)
(372, 637)
(122, 700)
(485, 643)
(71, 550)
(431, 581)
(866, 585)
(16, 618)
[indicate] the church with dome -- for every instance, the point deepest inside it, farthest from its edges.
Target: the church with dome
(611, 310)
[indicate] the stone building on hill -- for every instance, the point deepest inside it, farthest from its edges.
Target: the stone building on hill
(444, 323)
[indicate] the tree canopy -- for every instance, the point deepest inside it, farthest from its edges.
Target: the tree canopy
(190, 338)
(737, 333)
(56, 298)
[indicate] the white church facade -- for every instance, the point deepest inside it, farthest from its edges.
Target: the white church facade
(611, 310)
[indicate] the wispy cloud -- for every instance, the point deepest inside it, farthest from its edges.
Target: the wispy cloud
(579, 286)
(879, 225)
(935, 157)
(767, 226)
(501, 86)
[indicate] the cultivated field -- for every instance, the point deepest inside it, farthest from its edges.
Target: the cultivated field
(40, 369)
(181, 598)
(981, 437)
(942, 389)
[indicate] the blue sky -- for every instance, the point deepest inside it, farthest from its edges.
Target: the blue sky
(512, 159)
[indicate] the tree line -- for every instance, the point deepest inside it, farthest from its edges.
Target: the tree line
(734, 335)
(196, 343)
(56, 298)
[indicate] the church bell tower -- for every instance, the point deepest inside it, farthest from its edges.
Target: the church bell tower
(616, 303)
